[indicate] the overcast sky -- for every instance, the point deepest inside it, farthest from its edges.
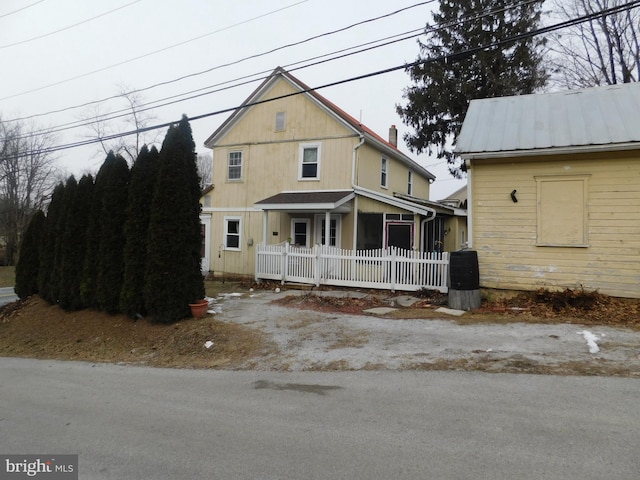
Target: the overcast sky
(57, 54)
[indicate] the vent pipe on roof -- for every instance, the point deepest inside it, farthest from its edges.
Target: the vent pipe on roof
(393, 136)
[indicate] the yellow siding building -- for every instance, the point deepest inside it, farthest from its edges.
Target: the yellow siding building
(554, 189)
(290, 166)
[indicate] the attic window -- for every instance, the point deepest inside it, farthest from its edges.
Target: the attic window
(280, 121)
(562, 211)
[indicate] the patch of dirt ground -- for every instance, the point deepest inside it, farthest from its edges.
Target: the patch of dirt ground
(298, 330)
(33, 328)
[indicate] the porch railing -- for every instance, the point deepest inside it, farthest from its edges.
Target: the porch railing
(388, 269)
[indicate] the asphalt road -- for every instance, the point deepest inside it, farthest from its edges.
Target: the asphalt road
(7, 295)
(141, 423)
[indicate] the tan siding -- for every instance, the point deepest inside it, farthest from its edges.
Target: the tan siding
(505, 232)
(368, 175)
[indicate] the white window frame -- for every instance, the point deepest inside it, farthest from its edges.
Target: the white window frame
(227, 221)
(410, 183)
(384, 172)
(303, 147)
(307, 222)
(229, 166)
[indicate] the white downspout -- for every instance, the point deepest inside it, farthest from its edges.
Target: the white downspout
(467, 162)
(353, 185)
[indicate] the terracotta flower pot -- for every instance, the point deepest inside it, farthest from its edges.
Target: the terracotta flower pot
(199, 309)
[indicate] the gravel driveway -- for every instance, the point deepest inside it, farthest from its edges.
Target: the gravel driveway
(310, 340)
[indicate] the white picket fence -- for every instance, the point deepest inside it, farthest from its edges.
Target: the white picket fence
(387, 269)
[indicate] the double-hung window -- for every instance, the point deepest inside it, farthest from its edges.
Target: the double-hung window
(234, 171)
(232, 230)
(309, 161)
(410, 183)
(383, 172)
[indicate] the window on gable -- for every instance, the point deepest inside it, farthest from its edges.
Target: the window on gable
(235, 166)
(232, 233)
(309, 162)
(410, 183)
(383, 172)
(562, 211)
(280, 121)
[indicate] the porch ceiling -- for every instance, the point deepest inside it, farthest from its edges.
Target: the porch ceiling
(308, 201)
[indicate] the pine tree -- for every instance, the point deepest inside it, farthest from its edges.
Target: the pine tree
(74, 244)
(173, 278)
(28, 264)
(143, 178)
(47, 281)
(462, 59)
(113, 206)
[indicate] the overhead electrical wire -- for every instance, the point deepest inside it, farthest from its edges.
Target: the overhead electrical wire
(125, 112)
(21, 9)
(69, 27)
(202, 72)
(457, 55)
(211, 89)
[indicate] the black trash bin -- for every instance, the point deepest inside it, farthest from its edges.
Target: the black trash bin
(464, 280)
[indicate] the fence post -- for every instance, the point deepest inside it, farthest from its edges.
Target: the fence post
(316, 264)
(393, 269)
(257, 261)
(285, 264)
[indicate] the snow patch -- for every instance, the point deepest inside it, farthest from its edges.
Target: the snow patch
(591, 340)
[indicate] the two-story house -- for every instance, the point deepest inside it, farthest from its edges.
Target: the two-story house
(290, 166)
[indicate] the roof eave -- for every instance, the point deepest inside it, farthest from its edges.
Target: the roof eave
(611, 147)
(392, 152)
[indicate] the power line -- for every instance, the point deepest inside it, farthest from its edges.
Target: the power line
(126, 112)
(21, 9)
(247, 79)
(467, 52)
(202, 72)
(21, 42)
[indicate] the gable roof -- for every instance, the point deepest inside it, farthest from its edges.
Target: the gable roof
(347, 120)
(588, 120)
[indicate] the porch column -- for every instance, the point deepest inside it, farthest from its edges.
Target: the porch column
(355, 223)
(265, 226)
(327, 226)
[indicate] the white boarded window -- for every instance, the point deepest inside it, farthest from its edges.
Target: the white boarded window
(281, 119)
(562, 214)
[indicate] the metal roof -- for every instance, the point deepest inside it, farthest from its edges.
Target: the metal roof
(591, 119)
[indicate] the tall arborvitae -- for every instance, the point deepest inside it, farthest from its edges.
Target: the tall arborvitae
(29, 262)
(74, 244)
(46, 274)
(173, 277)
(88, 285)
(61, 251)
(136, 229)
(113, 199)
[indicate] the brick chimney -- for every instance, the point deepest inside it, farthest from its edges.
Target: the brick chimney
(393, 136)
